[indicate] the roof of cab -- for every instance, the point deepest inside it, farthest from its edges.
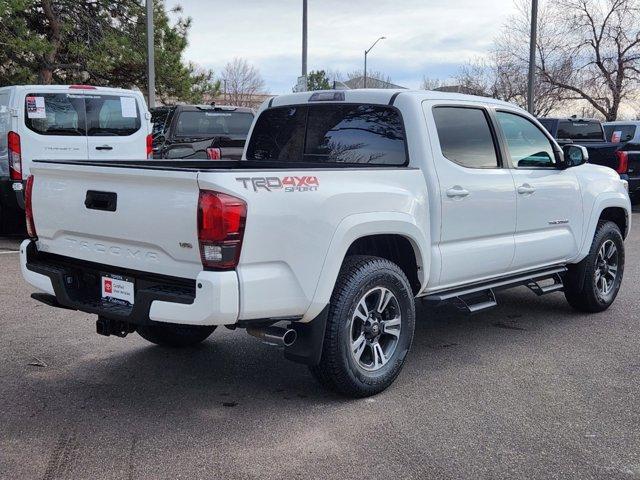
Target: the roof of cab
(75, 88)
(384, 97)
(569, 119)
(623, 122)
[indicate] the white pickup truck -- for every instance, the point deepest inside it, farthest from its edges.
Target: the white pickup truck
(346, 207)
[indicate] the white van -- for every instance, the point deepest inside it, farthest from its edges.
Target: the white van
(66, 122)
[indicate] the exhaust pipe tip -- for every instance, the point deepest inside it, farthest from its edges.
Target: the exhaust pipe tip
(289, 337)
(279, 336)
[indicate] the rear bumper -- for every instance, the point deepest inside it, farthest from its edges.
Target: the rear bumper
(211, 299)
(634, 183)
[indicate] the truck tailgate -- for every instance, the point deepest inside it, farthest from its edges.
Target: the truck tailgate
(139, 219)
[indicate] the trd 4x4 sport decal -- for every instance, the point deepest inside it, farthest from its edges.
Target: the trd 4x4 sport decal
(288, 184)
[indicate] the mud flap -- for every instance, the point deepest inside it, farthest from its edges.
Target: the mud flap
(307, 348)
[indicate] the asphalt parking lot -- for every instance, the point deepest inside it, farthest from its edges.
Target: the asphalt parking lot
(530, 389)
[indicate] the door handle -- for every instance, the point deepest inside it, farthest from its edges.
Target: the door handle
(104, 147)
(457, 192)
(526, 189)
(107, 201)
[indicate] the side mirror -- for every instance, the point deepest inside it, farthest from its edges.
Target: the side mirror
(574, 155)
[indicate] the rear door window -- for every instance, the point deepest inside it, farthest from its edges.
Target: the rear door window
(206, 124)
(330, 134)
(55, 114)
(619, 133)
(580, 130)
(112, 115)
(465, 137)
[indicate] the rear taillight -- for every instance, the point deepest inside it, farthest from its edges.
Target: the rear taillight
(221, 220)
(214, 153)
(28, 208)
(83, 87)
(15, 156)
(149, 147)
(623, 162)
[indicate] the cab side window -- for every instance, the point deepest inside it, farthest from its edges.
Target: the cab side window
(465, 137)
(528, 146)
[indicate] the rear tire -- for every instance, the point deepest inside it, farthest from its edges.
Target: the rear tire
(369, 328)
(594, 283)
(174, 335)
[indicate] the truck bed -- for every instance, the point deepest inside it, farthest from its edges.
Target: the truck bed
(209, 165)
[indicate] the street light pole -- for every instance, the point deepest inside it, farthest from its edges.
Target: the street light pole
(151, 69)
(532, 57)
(366, 52)
(304, 39)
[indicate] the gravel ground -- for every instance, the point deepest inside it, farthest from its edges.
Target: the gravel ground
(530, 389)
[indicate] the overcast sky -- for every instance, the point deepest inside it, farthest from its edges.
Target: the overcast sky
(424, 37)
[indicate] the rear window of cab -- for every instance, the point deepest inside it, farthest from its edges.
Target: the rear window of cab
(81, 114)
(203, 123)
(330, 134)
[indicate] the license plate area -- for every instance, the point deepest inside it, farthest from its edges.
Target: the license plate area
(117, 289)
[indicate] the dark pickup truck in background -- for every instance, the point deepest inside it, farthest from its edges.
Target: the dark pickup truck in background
(615, 151)
(627, 136)
(200, 131)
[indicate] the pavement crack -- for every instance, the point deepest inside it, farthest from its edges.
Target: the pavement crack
(508, 326)
(63, 456)
(132, 457)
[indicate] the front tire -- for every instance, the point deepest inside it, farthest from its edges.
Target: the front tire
(594, 283)
(369, 328)
(175, 336)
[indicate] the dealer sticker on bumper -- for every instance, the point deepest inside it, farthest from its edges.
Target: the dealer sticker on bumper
(118, 290)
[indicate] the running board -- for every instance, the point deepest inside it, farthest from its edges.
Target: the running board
(480, 296)
(476, 302)
(541, 290)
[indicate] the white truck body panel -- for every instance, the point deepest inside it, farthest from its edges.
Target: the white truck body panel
(144, 234)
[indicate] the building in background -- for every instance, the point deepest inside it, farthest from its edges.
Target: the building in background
(358, 82)
(249, 100)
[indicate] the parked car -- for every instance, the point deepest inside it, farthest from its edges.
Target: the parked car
(202, 132)
(589, 133)
(627, 135)
(346, 208)
(65, 122)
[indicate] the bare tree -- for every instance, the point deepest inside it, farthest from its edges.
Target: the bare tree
(503, 73)
(597, 58)
(588, 57)
(429, 83)
(375, 79)
(242, 82)
(503, 77)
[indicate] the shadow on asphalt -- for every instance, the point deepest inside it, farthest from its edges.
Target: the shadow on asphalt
(232, 369)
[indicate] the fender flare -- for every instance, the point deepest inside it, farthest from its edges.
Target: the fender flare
(361, 225)
(603, 201)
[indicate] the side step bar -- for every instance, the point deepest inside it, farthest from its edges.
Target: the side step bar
(481, 296)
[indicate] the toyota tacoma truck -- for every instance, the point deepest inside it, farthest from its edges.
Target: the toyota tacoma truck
(346, 207)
